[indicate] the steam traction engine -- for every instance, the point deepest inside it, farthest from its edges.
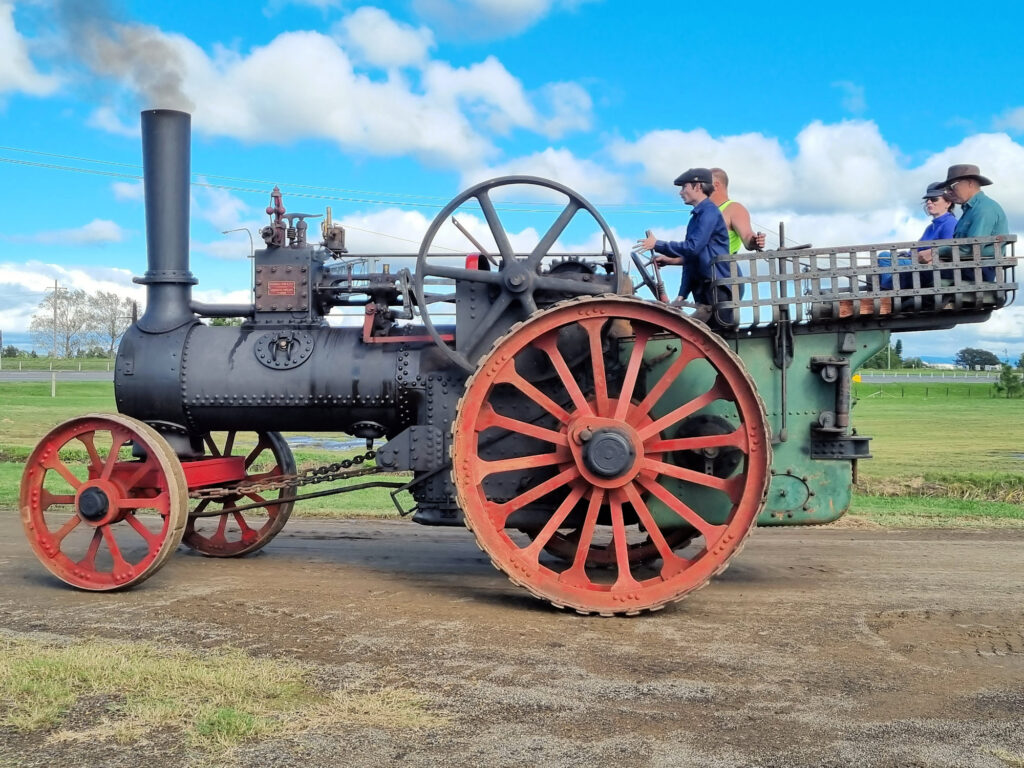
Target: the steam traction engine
(609, 454)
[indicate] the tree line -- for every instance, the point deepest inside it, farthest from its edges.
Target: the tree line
(968, 357)
(73, 323)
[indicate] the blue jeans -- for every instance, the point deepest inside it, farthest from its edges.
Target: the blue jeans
(885, 260)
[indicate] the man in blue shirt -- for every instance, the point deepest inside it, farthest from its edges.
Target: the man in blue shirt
(706, 238)
(982, 216)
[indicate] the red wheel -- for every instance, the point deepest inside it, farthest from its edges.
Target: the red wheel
(103, 501)
(231, 533)
(592, 457)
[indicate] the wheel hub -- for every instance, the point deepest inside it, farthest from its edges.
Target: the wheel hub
(609, 452)
(517, 278)
(93, 504)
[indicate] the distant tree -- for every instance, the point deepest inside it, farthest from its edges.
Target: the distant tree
(971, 358)
(219, 321)
(110, 316)
(63, 316)
(913, 362)
(884, 359)
(898, 348)
(1009, 382)
(12, 351)
(96, 351)
(1020, 362)
(33, 354)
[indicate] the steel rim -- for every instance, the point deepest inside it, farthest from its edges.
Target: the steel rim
(233, 533)
(621, 506)
(103, 501)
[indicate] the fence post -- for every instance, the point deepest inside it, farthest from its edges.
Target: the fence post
(53, 384)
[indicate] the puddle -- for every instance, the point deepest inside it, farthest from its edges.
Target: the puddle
(326, 443)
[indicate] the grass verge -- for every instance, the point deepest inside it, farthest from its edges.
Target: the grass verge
(216, 700)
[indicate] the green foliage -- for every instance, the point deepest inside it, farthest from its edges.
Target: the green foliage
(886, 359)
(219, 321)
(1009, 383)
(12, 351)
(1020, 362)
(971, 358)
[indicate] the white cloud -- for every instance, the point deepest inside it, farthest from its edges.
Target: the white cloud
(1012, 120)
(588, 178)
(376, 38)
(96, 232)
(106, 119)
(17, 72)
(448, 119)
(487, 19)
(853, 96)
(128, 190)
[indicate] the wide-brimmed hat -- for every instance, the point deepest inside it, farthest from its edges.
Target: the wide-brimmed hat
(935, 189)
(966, 171)
(694, 176)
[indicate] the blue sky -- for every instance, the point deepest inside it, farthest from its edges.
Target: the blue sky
(832, 118)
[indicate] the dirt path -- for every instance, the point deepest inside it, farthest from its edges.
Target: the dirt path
(836, 647)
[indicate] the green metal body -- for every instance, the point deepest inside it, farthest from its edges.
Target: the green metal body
(803, 490)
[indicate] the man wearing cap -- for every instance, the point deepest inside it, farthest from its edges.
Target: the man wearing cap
(706, 238)
(982, 216)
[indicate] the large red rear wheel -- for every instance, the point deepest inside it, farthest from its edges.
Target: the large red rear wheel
(232, 533)
(103, 501)
(594, 454)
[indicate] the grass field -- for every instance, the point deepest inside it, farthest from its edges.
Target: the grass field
(943, 454)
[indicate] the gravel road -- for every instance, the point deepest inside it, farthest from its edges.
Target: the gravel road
(836, 646)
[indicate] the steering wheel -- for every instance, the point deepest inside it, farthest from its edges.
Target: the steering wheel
(518, 278)
(649, 279)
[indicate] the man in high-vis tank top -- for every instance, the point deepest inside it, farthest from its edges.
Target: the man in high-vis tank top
(737, 218)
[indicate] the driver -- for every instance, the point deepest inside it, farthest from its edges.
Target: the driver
(706, 238)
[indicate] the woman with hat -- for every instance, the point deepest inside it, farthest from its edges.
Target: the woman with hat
(939, 205)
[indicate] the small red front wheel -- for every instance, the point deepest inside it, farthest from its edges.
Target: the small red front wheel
(104, 501)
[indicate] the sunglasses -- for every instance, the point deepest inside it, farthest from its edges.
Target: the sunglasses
(933, 199)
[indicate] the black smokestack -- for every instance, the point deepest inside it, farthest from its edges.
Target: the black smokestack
(166, 161)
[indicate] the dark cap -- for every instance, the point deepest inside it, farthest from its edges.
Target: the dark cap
(694, 176)
(966, 171)
(935, 189)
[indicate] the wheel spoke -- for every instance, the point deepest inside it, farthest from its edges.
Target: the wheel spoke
(708, 530)
(497, 230)
(671, 562)
(486, 323)
(663, 383)
(625, 580)
(549, 344)
(137, 475)
(47, 499)
(551, 527)
(115, 550)
(89, 561)
(255, 453)
(717, 392)
(736, 439)
(61, 468)
(553, 233)
(593, 329)
(576, 574)
(220, 535)
(96, 463)
(726, 484)
(151, 538)
(500, 512)
(490, 418)
(118, 439)
(229, 442)
(201, 506)
(211, 445)
(242, 524)
(641, 336)
(64, 530)
(488, 468)
(158, 502)
(510, 376)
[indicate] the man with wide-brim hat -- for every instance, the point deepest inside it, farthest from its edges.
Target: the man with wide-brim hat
(982, 216)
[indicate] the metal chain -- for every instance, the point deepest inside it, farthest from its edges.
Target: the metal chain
(339, 470)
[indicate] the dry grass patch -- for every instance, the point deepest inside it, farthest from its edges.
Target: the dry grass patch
(102, 690)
